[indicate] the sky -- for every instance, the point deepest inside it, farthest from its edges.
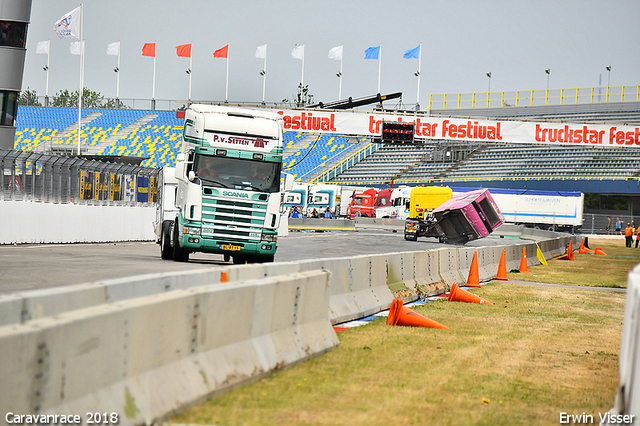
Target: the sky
(515, 40)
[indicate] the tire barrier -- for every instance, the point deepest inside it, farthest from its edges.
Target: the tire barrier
(145, 358)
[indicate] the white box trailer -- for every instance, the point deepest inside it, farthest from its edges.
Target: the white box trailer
(552, 210)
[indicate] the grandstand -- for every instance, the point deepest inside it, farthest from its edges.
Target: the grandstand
(156, 136)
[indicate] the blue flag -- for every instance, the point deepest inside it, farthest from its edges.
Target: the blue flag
(412, 53)
(372, 53)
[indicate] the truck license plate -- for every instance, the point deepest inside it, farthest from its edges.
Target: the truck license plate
(229, 247)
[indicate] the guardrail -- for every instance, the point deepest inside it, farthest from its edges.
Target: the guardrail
(346, 163)
(515, 98)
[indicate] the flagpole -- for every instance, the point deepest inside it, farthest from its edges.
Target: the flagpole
(379, 66)
(341, 59)
(118, 77)
(226, 90)
(419, 75)
(190, 67)
(153, 95)
(264, 77)
(46, 91)
(302, 77)
(81, 71)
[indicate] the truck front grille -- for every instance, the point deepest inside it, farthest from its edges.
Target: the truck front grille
(231, 219)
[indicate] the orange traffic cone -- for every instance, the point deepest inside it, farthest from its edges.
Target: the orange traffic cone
(399, 315)
(223, 277)
(502, 268)
(583, 248)
(523, 261)
(569, 255)
(458, 294)
(474, 276)
(599, 251)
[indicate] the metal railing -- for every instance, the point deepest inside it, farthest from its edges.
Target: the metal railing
(346, 163)
(34, 176)
(571, 96)
(596, 223)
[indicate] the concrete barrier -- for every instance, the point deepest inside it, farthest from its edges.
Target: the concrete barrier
(509, 230)
(18, 308)
(385, 274)
(145, 358)
(426, 268)
(488, 262)
(305, 223)
(400, 270)
(449, 266)
(627, 400)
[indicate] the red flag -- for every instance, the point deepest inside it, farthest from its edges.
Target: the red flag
(222, 53)
(184, 50)
(149, 49)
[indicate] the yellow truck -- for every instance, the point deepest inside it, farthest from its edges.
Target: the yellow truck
(423, 199)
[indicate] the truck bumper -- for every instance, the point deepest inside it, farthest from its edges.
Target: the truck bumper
(196, 243)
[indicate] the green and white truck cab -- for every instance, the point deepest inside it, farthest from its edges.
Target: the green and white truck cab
(227, 197)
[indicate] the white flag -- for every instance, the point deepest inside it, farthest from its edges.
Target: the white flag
(43, 47)
(75, 47)
(261, 53)
(336, 53)
(69, 24)
(113, 48)
(298, 52)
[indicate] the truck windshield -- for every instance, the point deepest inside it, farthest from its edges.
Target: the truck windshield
(238, 173)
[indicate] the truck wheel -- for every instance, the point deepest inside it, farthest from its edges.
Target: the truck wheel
(239, 260)
(166, 251)
(227, 257)
(179, 254)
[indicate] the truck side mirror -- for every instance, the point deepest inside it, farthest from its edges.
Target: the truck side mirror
(191, 175)
(180, 166)
(288, 182)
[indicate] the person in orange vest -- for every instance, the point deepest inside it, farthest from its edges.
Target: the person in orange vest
(628, 234)
(638, 236)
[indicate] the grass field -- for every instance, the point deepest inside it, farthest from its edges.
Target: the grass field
(537, 352)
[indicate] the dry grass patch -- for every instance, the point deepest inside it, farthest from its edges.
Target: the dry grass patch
(588, 269)
(538, 351)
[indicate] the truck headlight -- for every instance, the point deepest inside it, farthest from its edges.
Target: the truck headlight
(191, 230)
(271, 238)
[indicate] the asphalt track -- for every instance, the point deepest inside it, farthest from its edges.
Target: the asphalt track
(26, 267)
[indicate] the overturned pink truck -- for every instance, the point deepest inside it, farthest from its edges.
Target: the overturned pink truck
(464, 217)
